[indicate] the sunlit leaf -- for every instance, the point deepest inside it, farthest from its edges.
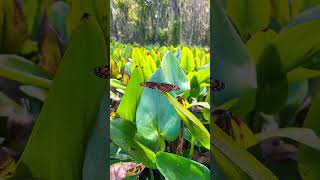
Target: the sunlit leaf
(173, 166)
(76, 85)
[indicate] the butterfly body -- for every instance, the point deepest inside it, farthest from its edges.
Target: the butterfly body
(224, 118)
(167, 87)
(161, 86)
(103, 72)
(85, 16)
(152, 85)
(216, 85)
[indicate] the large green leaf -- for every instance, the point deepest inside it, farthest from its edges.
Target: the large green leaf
(308, 158)
(123, 134)
(272, 82)
(95, 163)
(129, 102)
(302, 135)
(231, 62)
(19, 69)
(173, 72)
(191, 122)
(297, 44)
(248, 15)
(156, 118)
(240, 157)
(56, 147)
(173, 166)
(187, 60)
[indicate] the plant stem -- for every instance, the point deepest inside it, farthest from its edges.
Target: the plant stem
(192, 147)
(151, 174)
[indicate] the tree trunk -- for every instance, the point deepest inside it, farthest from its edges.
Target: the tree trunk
(175, 22)
(113, 21)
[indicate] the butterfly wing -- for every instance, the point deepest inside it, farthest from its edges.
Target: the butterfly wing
(103, 72)
(216, 85)
(168, 87)
(151, 85)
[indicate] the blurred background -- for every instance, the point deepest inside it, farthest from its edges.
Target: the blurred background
(34, 36)
(165, 22)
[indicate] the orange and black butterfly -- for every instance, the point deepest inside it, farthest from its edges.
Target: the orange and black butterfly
(152, 85)
(216, 85)
(161, 86)
(223, 118)
(167, 87)
(103, 71)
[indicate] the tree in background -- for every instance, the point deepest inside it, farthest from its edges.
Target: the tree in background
(160, 21)
(175, 22)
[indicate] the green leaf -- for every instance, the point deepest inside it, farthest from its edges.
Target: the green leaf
(272, 89)
(57, 18)
(202, 104)
(248, 15)
(94, 165)
(240, 157)
(30, 12)
(101, 10)
(227, 105)
(56, 147)
(35, 92)
(14, 29)
(51, 49)
(117, 84)
(195, 88)
(282, 11)
(187, 60)
(19, 69)
(123, 134)
(308, 158)
(155, 117)
(191, 122)
(139, 58)
(300, 74)
(78, 8)
(243, 105)
(224, 165)
(297, 44)
(129, 102)
(258, 42)
(302, 135)
(231, 62)
(173, 72)
(203, 74)
(173, 166)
